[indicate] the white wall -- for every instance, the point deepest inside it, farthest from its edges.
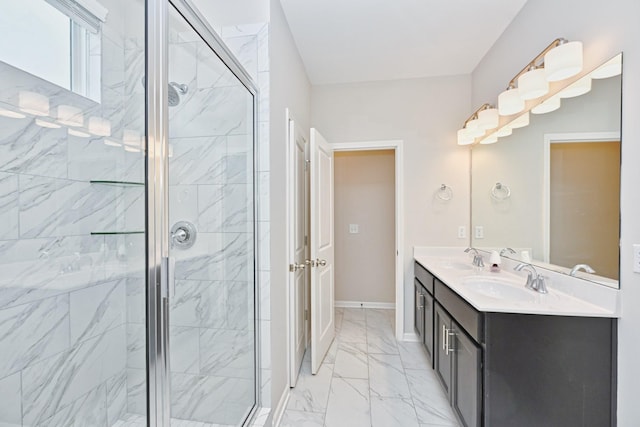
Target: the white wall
(605, 28)
(425, 114)
(365, 194)
(289, 88)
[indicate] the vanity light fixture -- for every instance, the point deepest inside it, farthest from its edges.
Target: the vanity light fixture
(562, 59)
(70, 116)
(99, 126)
(533, 84)
(11, 114)
(509, 101)
(491, 139)
(612, 67)
(551, 104)
(78, 133)
(485, 117)
(504, 131)
(33, 103)
(577, 88)
(47, 124)
(520, 122)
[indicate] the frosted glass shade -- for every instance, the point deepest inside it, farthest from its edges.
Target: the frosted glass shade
(505, 131)
(491, 139)
(612, 67)
(473, 128)
(521, 121)
(11, 114)
(533, 84)
(563, 61)
(70, 116)
(99, 126)
(509, 102)
(551, 104)
(47, 124)
(577, 88)
(488, 119)
(33, 103)
(464, 137)
(78, 133)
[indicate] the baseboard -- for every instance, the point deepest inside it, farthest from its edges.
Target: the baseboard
(410, 337)
(282, 405)
(364, 304)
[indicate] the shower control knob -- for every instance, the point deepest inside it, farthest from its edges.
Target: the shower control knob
(183, 235)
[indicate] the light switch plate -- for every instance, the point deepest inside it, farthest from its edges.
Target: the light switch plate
(479, 232)
(636, 258)
(353, 229)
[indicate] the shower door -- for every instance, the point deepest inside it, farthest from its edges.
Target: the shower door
(206, 209)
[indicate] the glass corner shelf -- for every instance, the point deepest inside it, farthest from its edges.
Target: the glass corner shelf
(123, 183)
(114, 233)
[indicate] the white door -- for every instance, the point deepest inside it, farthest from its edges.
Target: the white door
(297, 256)
(322, 249)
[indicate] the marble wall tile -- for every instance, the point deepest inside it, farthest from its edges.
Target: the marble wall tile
(182, 64)
(210, 208)
(205, 260)
(9, 209)
(211, 71)
(116, 388)
(265, 344)
(237, 208)
(264, 283)
(227, 353)
(199, 304)
(263, 146)
(183, 204)
(136, 300)
(137, 391)
(136, 346)
(31, 332)
(96, 309)
(91, 159)
(30, 149)
(265, 387)
(217, 111)
(184, 349)
(240, 305)
(238, 257)
(186, 165)
(88, 410)
(10, 396)
(263, 48)
(264, 245)
(52, 384)
(210, 399)
(263, 196)
(245, 49)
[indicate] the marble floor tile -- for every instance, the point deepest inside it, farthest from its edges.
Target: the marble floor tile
(352, 330)
(413, 355)
(293, 418)
(387, 376)
(389, 412)
(351, 361)
(431, 403)
(381, 341)
(348, 403)
(311, 391)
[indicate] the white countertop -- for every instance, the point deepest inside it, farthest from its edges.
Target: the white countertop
(568, 296)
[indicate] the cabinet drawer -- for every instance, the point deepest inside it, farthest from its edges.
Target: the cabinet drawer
(467, 316)
(424, 277)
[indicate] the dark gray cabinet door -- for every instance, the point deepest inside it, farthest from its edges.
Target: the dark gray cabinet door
(418, 318)
(428, 325)
(466, 387)
(441, 354)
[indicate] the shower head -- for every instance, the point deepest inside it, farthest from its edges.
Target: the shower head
(174, 90)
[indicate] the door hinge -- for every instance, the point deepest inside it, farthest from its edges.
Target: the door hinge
(306, 315)
(306, 240)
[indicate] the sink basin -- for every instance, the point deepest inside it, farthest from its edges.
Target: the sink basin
(500, 289)
(456, 265)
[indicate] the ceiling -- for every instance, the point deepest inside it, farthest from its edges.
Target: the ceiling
(344, 41)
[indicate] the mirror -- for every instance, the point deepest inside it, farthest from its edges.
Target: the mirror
(59, 42)
(551, 190)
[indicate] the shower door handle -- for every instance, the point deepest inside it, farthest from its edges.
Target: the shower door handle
(169, 276)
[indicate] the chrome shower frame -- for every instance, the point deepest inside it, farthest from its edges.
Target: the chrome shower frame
(158, 237)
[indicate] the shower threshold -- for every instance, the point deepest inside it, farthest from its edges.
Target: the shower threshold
(134, 420)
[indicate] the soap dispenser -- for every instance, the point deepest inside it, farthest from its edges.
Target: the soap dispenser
(494, 261)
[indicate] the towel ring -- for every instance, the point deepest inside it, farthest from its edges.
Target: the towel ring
(500, 192)
(445, 193)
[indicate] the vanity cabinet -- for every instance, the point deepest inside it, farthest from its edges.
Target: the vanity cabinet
(525, 370)
(423, 314)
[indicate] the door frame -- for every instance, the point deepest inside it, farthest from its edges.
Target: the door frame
(397, 147)
(565, 137)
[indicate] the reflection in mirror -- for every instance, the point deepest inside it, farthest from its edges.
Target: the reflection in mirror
(563, 173)
(59, 42)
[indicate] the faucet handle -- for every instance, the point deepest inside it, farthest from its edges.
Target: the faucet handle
(505, 251)
(540, 284)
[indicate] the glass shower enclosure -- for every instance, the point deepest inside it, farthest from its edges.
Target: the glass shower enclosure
(127, 230)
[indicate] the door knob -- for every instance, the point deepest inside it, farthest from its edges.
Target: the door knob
(295, 267)
(310, 263)
(321, 262)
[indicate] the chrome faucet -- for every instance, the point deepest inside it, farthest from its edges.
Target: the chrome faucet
(535, 281)
(507, 251)
(478, 261)
(584, 267)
